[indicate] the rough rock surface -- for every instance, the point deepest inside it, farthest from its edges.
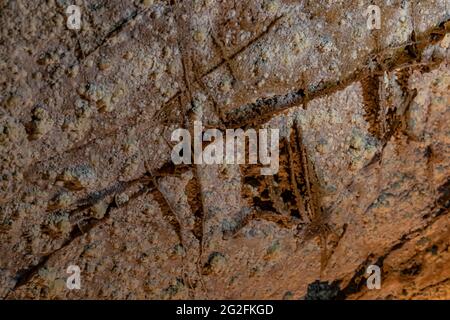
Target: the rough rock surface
(86, 176)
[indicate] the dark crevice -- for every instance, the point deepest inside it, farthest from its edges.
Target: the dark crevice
(322, 290)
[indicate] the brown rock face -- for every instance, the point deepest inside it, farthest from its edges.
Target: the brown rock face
(363, 176)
